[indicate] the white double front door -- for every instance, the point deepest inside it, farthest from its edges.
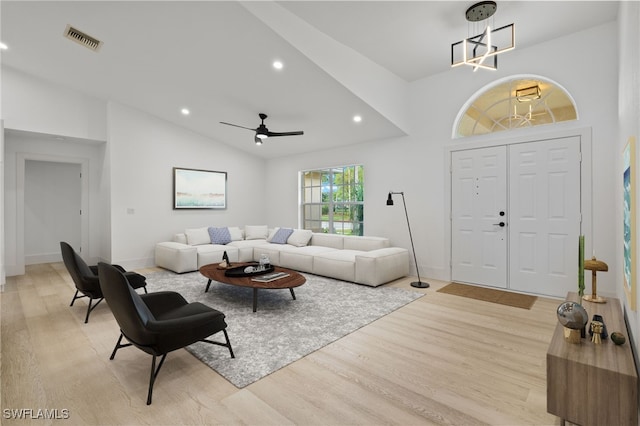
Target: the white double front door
(515, 216)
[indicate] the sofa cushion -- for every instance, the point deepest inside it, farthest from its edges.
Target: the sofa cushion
(380, 266)
(271, 250)
(197, 236)
(219, 235)
(300, 258)
(177, 257)
(235, 233)
(180, 238)
(281, 236)
(365, 243)
(212, 253)
(245, 248)
(338, 264)
(300, 237)
(272, 232)
(256, 232)
(328, 240)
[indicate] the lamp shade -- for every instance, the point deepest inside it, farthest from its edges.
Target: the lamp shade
(389, 200)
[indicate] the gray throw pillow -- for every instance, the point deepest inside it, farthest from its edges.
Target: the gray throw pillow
(281, 236)
(220, 235)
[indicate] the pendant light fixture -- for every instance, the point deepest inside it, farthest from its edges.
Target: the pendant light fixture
(481, 50)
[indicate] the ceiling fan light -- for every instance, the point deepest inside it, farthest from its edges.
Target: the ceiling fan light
(261, 135)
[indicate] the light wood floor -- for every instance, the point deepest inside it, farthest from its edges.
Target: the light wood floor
(442, 359)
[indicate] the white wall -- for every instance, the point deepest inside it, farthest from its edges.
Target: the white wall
(629, 125)
(35, 105)
(142, 151)
(417, 164)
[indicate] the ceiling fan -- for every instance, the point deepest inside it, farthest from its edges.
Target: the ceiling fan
(262, 132)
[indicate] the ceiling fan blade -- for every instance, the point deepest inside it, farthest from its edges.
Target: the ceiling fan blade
(296, 133)
(235, 125)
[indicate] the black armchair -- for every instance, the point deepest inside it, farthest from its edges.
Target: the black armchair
(86, 278)
(158, 323)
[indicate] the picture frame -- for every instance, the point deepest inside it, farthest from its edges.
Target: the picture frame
(629, 177)
(199, 189)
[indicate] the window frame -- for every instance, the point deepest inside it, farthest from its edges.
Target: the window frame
(515, 82)
(325, 193)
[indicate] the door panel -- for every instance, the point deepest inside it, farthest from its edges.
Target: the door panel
(479, 245)
(544, 216)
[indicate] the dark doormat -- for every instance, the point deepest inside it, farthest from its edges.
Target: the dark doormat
(492, 295)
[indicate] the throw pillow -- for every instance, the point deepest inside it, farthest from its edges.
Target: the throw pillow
(197, 236)
(219, 235)
(236, 233)
(300, 237)
(281, 236)
(256, 232)
(272, 233)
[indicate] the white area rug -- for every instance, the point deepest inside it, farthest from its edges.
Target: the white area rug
(283, 330)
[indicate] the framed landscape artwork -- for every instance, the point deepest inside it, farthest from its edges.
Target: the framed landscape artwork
(199, 189)
(629, 221)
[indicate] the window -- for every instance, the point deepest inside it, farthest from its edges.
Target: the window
(332, 200)
(515, 103)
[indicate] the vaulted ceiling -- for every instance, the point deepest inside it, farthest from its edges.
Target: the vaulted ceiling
(341, 58)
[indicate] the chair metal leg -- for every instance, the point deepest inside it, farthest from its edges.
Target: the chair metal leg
(145, 289)
(226, 336)
(91, 308)
(226, 345)
(154, 374)
(75, 296)
(118, 346)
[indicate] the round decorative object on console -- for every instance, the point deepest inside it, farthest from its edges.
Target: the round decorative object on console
(618, 338)
(572, 315)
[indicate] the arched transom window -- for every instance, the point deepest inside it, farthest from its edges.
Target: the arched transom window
(515, 103)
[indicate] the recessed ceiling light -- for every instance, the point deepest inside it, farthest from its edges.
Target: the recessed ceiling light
(278, 65)
(185, 111)
(357, 118)
(3, 46)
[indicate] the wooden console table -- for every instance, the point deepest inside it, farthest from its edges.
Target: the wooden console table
(589, 384)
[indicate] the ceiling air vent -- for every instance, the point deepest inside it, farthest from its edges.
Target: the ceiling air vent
(82, 38)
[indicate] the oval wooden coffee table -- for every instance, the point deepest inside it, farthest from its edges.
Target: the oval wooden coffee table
(215, 273)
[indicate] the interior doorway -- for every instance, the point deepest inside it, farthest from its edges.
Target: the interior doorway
(52, 209)
(21, 164)
(516, 214)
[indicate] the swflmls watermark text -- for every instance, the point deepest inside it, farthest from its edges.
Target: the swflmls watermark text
(36, 413)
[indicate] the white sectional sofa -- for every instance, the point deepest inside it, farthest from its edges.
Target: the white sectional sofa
(363, 260)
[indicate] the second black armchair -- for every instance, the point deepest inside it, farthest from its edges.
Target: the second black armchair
(86, 279)
(158, 323)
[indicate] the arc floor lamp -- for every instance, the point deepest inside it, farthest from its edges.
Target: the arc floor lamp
(419, 283)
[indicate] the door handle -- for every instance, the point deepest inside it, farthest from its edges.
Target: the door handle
(501, 224)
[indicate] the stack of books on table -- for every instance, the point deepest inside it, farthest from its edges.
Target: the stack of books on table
(270, 277)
